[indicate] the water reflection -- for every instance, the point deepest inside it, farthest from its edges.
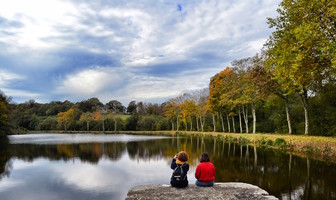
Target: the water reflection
(106, 170)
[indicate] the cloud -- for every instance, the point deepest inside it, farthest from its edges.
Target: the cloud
(89, 81)
(7, 77)
(115, 50)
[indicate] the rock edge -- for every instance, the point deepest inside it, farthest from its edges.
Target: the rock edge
(231, 190)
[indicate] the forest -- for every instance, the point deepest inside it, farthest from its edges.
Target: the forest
(289, 87)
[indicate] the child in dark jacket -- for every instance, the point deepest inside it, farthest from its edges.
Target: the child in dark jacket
(205, 171)
(180, 159)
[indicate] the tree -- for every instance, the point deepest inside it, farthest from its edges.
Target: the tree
(140, 108)
(201, 97)
(115, 106)
(100, 115)
(87, 118)
(267, 85)
(90, 105)
(4, 114)
(302, 48)
(188, 108)
(247, 89)
(67, 118)
(132, 107)
(169, 112)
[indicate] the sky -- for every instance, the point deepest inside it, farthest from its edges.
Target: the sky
(142, 50)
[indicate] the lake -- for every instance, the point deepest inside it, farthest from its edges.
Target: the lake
(97, 166)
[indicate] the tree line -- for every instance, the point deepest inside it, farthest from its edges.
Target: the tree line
(289, 87)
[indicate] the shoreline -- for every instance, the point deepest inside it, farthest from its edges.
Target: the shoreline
(316, 147)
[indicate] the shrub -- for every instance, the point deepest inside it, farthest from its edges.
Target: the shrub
(308, 149)
(280, 142)
(243, 141)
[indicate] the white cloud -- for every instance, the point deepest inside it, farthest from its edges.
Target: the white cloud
(8, 184)
(137, 35)
(89, 81)
(38, 18)
(23, 94)
(7, 77)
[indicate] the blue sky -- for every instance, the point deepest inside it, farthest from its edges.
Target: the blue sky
(125, 50)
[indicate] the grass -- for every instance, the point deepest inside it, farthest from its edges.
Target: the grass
(122, 116)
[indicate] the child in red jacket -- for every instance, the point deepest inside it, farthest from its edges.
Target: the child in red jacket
(205, 171)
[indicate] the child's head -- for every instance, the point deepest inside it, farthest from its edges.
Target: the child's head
(182, 156)
(205, 157)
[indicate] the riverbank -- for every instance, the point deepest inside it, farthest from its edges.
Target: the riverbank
(218, 191)
(316, 147)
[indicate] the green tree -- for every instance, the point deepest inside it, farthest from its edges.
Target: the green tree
(87, 118)
(90, 105)
(302, 48)
(115, 106)
(132, 107)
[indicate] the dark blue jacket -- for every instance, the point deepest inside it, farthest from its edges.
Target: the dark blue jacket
(185, 168)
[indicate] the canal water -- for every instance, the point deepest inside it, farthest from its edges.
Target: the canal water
(89, 166)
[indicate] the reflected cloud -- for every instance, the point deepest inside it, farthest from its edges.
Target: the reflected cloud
(76, 138)
(7, 184)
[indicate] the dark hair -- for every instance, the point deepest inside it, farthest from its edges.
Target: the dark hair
(205, 157)
(182, 156)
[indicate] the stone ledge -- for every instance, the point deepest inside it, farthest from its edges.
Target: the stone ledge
(232, 190)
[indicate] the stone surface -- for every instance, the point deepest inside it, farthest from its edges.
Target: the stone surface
(218, 191)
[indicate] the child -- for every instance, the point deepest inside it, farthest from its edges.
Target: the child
(179, 178)
(205, 172)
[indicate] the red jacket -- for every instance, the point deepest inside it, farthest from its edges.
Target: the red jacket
(205, 172)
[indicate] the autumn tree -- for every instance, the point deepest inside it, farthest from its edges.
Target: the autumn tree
(100, 116)
(188, 109)
(215, 92)
(200, 97)
(67, 118)
(170, 112)
(4, 114)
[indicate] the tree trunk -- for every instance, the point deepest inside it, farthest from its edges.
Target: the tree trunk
(228, 122)
(202, 122)
(288, 117)
(304, 100)
(255, 158)
(172, 123)
(221, 116)
(186, 124)
(214, 123)
(233, 124)
(254, 118)
(177, 123)
(197, 123)
(88, 125)
(191, 124)
(103, 126)
(240, 122)
(245, 115)
(115, 125)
